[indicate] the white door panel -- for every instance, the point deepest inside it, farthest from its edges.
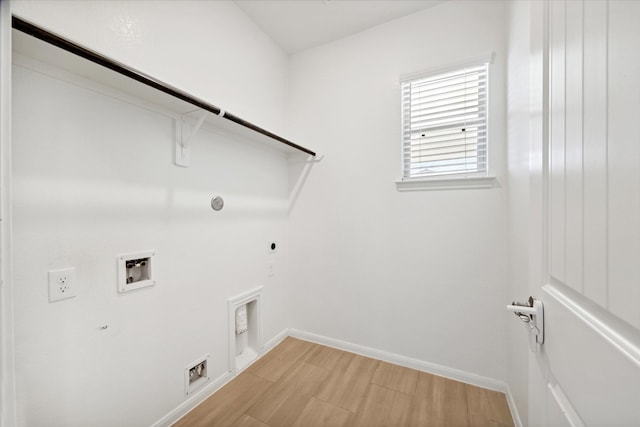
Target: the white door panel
(560, 411)
(573, 146)
(557, 147)
(588, 370)
(594, 151)
(601, 382)
(624, 160)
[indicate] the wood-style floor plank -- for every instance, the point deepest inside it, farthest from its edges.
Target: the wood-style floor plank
(247, 421)
(476, 420)
(396, 377)
(280, 360)
(281, 404)
(427, 409)
(348, 383)
(322, 414)
(487, 406)
(439, 402)
(383, 407)
(454, 402)
(227, 405)
(323, 357)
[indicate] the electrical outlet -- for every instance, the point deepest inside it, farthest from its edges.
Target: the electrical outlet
(62, 284)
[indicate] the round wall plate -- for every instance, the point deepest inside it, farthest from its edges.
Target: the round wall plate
(217, 203)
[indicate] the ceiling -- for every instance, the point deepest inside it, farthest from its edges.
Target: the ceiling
(301, 24)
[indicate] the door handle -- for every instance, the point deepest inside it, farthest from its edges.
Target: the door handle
(532, 314)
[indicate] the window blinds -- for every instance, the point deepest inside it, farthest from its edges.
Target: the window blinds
(444, 123)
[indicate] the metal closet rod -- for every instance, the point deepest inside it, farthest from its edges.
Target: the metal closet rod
(54, 39)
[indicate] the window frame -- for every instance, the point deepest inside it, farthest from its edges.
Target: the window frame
(483, 179)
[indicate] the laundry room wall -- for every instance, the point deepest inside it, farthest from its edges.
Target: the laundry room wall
(94, 177)
(418, 274)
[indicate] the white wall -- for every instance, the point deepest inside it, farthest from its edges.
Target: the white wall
(7, 372)
(420, 274)
(94, 177)
(518, 195)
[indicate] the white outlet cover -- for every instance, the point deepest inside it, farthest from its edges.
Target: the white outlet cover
(270, 271)
(62, 284)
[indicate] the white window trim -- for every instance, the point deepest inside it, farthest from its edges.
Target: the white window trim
(451, 182)
(484, 58)
(447, 183)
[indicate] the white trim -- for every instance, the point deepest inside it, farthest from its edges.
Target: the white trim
(8, 412)
(565, 405)
(517, 421)
(603, 323)
(483, 58)
(459, 183)
(273, 342)
(408, 362)
(204, 393)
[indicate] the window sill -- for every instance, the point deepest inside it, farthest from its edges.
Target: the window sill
(447, 183)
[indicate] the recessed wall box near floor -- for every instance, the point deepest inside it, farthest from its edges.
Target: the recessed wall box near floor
(135, 270)
(245, 329)
(196, 374)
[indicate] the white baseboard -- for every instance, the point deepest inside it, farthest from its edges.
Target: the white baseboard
(513, 408)
(201, 395)
(276, 340)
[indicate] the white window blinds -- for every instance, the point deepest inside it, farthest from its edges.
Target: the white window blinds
(444, 123)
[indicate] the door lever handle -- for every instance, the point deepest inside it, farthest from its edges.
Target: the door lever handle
(532, 314)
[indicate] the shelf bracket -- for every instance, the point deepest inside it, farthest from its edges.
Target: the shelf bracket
(184, 137)
(308, 160)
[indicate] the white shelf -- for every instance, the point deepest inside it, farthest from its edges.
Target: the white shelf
(35, 47)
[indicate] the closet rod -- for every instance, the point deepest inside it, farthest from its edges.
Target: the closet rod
(53, 39)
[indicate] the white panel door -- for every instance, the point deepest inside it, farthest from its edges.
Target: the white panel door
(586, 191)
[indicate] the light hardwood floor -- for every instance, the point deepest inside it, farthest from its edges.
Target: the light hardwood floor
(302, 384)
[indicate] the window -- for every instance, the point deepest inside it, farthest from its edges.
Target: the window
(444, 123)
